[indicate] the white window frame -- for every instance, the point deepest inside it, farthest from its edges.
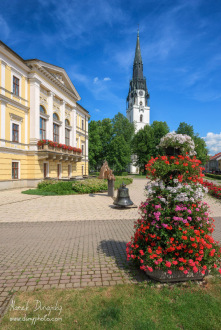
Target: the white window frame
(18, 75)
(12, 121)
(19, 168)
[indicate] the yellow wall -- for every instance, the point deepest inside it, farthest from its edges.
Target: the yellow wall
(8, 80)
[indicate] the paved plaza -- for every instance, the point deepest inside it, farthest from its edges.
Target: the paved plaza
(68, 241)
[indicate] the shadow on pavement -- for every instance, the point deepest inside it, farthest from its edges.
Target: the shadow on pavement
(117, 250)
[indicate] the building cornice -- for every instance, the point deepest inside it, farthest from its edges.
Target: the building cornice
(14, 103)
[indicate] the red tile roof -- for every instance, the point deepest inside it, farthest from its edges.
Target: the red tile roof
(215, 156)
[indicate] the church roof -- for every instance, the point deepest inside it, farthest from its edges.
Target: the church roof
(138, 58)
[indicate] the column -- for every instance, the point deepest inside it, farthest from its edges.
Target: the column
(34, 111)
(74, 128)
(3, 65)
(62, 128)
(3, 123)
(49, 133)
(26, 129)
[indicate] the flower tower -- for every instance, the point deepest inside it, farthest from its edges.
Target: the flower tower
(173, 235)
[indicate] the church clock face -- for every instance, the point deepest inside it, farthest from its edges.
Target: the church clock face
(140, 93)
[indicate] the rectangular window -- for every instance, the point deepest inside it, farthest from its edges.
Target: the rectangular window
(42, 128)
(15, 170)
(15, 86)
(82, 124)
(55, 132)
(15, 133)
(67, 136)
(82, 148)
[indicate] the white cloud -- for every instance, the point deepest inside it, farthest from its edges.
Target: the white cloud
(4, 27)
(96, 80)
(97, 110)
(213, 142)
(107, 79)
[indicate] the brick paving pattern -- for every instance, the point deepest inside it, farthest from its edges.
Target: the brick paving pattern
(67, 242)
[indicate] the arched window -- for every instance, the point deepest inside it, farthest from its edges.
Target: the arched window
(141, 118)
(141, 103)
(42, 109)
(55, 116)
(67, 122)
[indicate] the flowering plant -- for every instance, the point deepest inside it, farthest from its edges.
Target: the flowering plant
(174, 229)
(213, 189)
(178, 141)
(57, 145)
(183, 168)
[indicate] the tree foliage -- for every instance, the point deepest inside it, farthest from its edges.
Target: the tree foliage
(110, 140)
(145, 142)
(200, 144)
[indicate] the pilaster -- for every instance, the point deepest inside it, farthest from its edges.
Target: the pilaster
(34, 110)
(3, 104)
(49, 132)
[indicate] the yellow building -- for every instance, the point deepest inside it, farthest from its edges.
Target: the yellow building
(43, 130)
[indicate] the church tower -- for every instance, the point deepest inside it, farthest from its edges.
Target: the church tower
(138, 110)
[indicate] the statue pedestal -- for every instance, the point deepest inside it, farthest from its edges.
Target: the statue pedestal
(110, 188)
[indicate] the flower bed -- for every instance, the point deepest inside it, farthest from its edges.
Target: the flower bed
(213, 190)
(174, 230)
(58, 145)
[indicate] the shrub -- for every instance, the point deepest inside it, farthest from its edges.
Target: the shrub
(213, 176)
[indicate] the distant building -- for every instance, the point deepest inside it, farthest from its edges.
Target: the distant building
(138, 110)
(214, 164)
(38, 102)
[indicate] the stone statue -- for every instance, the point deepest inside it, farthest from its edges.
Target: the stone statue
(106, 172)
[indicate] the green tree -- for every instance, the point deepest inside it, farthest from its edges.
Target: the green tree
(110, 140)
(160, 128)
(119, 154)
(143, 146)
(95, 145)
(185, 128)
(122, 127)
(200, 144)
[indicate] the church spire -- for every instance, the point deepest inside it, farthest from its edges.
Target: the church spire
(138, 63)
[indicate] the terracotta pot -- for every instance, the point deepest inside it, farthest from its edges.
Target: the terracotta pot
(176, 276)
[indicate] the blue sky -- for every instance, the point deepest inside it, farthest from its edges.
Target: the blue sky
(94, 41)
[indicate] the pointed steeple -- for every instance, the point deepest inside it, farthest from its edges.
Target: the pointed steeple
(138, 63)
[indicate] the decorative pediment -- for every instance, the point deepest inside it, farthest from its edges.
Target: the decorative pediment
(62, 78)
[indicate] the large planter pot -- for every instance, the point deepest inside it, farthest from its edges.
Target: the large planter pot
(176, 276)
(170, 151)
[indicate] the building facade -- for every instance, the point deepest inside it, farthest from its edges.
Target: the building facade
(214, 164)
(43, 130)
(138, 110)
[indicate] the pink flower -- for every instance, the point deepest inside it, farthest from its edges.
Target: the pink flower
(169, 272)
(185, 272)
(158, 206)
(189, 211)
(150, 269)
(168, 264)
(141, 252)
(174, 262)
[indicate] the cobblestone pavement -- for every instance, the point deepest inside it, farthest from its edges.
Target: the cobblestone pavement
(65, 251)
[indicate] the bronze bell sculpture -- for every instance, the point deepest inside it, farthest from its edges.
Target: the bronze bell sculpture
(123, 198)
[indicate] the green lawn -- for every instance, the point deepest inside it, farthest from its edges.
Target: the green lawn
(123, 307)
